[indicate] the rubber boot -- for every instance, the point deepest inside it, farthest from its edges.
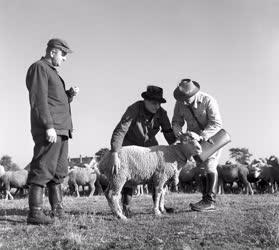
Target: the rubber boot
(55, 199)
(208, 203)
(36, 215)
(203, 187)
(126, 201)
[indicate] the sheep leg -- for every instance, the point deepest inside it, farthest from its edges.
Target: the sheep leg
(162, 200)
(113, 195)
(8, 194)
(91, 189)
(76, 190)
(157, 194)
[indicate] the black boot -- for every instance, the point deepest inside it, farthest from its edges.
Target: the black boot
(55, 199)
(36, 215)
(208, 203)
(203, 187)
(126, 201)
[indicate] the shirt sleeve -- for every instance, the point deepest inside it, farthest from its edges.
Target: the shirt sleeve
(122, 128)
(177, 119)
(37, 84)
(214, 119)
(167, 129)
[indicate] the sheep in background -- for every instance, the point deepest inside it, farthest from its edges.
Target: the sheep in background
(155, 165)
(13, 179)
(82, 177)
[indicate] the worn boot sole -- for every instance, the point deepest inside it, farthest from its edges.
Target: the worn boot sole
(34, 221)
(199, 209)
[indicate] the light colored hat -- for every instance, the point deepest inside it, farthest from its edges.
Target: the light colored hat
(186, 89)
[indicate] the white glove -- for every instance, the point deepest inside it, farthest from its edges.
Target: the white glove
(177, 130)
(115, 163)
(51, 135)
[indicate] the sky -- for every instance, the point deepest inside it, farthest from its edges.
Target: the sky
(231, 47)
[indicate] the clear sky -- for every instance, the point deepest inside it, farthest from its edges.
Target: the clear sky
(231, 47)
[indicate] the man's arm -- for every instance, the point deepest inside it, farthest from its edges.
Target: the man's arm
(177, 120)
(37, 84)
(122, 128)
(167, 129)
(214, 119)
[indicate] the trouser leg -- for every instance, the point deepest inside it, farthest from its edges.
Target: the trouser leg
(127, 193)
(212, 182)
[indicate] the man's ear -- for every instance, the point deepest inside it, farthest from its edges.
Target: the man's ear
(52, 52)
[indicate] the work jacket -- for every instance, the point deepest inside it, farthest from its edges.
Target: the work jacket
(138, 127)
(49, 100)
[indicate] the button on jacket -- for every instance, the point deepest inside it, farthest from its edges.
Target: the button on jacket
(49, 100)
(136, 128)
(207, 112)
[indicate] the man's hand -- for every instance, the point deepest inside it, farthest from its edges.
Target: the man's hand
(74, 91)
(115, 162)
(177, 130)
(51, 135)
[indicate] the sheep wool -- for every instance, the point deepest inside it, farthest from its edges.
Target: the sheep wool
(138, 165)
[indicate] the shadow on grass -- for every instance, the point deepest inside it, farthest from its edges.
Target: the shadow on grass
(6, 215)
(13, 211)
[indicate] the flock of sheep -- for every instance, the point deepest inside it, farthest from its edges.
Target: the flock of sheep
(159, 167)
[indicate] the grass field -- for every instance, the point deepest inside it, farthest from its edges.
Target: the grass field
(241, 222)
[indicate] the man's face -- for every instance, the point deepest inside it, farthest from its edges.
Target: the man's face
(190, 100)
(57, 57)
(152, 105)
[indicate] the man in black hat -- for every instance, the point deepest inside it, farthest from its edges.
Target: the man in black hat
(51, 126)
(200, 112)
(139, 126)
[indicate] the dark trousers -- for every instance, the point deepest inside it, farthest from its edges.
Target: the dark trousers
(49, 163)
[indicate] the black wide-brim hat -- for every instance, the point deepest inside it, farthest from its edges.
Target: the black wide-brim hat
(153, 93)
(186, 89)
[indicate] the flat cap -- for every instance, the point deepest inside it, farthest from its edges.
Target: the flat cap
(59, 44)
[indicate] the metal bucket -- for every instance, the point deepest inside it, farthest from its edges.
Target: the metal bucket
(217, 141)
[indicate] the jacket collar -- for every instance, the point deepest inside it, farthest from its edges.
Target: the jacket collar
(48, 63)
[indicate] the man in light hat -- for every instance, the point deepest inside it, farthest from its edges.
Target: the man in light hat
(51, 127)
(200, 113)
(139, 126)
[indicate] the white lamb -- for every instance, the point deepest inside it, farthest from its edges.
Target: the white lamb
(154, 165)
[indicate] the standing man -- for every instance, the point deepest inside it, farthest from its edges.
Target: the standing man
(51, 127)
(200, 112)
(139, 126)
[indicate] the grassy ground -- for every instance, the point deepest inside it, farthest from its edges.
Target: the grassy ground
(241, 222)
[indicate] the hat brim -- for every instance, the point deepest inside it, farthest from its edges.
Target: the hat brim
(146, 96)
(181, 96)
(66, 50)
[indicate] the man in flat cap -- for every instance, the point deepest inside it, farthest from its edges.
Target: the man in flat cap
(200, 113)
(51, 127)
(139, 126)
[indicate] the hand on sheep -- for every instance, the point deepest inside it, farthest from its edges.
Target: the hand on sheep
(51, 135)
(177, 130)
(115, 163)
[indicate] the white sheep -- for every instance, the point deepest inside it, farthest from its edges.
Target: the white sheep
(13, 179)
(155, 165)
(82, 177)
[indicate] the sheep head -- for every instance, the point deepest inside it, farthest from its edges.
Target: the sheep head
(190, 144)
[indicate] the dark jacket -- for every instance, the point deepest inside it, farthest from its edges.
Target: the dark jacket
(49, 100)
(137, 127)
